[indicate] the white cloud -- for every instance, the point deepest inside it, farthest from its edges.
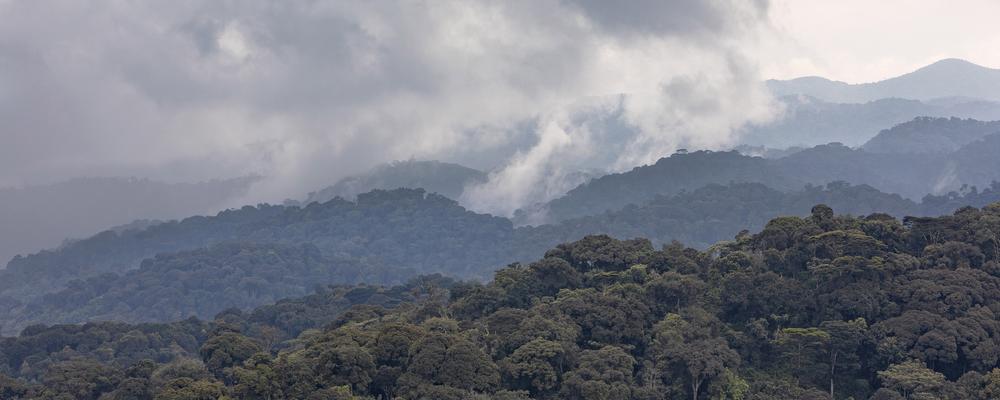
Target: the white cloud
(306, 92)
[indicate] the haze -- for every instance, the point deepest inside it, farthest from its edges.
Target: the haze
(540, 95)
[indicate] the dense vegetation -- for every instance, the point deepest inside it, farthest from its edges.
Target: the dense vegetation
(857, 307)
(254, 269)
(43, 216)
(197, 283)
(912, 175)
(670, 175)
(707, 215)
(405, 229)
(446, 179)
(930, 135)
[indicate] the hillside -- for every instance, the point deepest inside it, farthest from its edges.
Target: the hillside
(908, 174)
(714, 213)
(853, 307)
(406, 229)
(199, 283)
(942, 79)
(809, 121)
(33, 218)
(669, 175)
(930, 135)
(446, 179)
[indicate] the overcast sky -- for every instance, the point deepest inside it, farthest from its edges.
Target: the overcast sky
(860, 41)
(305, 92)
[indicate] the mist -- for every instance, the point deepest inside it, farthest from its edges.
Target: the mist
(304, 93)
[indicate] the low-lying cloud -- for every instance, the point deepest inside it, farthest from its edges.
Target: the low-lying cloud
(305, 92)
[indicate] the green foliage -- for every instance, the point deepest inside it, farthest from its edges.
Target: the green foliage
(251, 257)
(826, 306)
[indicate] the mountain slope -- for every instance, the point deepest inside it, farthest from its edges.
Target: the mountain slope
(945, 78)
(809, 121)
(896, 309)
(446, 179)
(930, 135)
(669, 175)
(37, 217)
(406, 229)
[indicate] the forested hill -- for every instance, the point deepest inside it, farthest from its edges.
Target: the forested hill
(808, 308)
(908, 174)
(670, 175)
(707, 215)
(809, 121)
(38, 217)
(930, 135)
(404, 228)
(200, 283)
(245, 268)
(446, 179)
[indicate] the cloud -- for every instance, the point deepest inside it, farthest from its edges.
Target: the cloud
(306, 92)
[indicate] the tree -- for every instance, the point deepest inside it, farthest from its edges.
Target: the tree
(450, 361)
(603, 374)
(845, 338)
(536, 366)
(801, 348)
(692, 345)
(913, 380)
(226, 350)
(346, 365)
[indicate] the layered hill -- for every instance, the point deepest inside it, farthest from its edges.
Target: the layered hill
(928, 135)
(815, 307)
(810, 121)
(910, 174)
(406, 229)
(942, 79)
(447, 179)
(33, 218)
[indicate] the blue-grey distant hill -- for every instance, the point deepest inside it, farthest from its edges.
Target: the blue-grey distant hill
(818, 110)
(928, 135)
(42, 216)
(947, 78)
(444, 178)
(810, 121)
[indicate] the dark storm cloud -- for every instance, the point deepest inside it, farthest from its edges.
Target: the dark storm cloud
(307, 91)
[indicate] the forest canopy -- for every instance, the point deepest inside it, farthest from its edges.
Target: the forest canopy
(807, 308)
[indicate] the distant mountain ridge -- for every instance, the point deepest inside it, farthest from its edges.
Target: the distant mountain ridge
(446, 179)
(930, 135)
(946, 78)
(912, 175)
(37, 217)
(811, 121)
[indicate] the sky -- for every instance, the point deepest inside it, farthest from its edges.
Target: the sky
(858, 41)
(306, 92)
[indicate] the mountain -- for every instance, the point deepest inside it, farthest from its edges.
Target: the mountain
(200, 283)
(809, 121)
(910, 175)
(930, 135)
(823, 306)
(942, 79)
(446, 179)
(39, 217)
(407, 230)
(669, 175)
(714, 213)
